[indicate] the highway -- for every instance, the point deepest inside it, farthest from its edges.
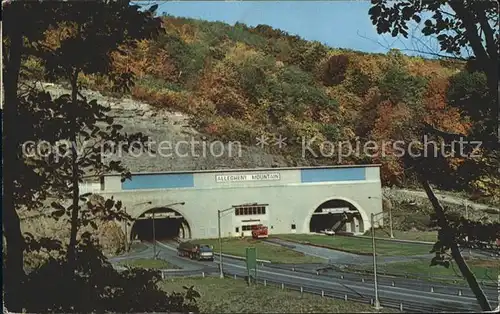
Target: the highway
(392, 291)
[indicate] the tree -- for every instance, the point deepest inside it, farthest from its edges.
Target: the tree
(99, 29)
(22, 186)
(456, 25)
(100, 26)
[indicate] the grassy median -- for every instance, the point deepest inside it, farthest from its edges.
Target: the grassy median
(265, 251)
(425, 236)
(358, 245)
(234, 296)
(484, 269)
(148, 263)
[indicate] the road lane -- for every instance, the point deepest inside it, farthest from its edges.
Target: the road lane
(405, 290)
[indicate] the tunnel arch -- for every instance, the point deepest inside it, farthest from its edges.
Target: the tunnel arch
(169, 222)
(315, 222)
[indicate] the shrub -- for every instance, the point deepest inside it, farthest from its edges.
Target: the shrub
(97, 287)
(359, 83)
(334, 70)
(469, 92)
(399, 86)
(330, 131)
(307, 55)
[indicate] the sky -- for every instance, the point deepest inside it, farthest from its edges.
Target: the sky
(338, 24)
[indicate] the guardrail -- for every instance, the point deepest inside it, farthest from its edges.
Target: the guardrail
(403, 306)
(486, 283)
(424, 286)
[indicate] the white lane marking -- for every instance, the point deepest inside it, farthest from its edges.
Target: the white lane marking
(369, 289)
(338, 284)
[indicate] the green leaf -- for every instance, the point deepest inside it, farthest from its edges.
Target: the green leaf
(434, 261)
(109, 204)
(58, 213)
(58, 206)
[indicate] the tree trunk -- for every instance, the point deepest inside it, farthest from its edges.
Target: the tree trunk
(455, 252)
(14, 274)
(74, 178)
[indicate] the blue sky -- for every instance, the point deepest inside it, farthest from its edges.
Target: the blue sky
(339, 24)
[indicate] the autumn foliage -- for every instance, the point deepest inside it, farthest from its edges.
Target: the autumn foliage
(238, 81)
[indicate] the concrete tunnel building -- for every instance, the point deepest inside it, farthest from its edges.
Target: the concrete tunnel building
(286, 200)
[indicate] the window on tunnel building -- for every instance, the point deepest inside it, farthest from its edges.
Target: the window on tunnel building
(294, 227)
(250, 210)
(246, 228)
(237, 229)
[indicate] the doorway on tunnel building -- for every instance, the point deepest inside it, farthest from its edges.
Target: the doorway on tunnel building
(336, 216)
(160, 224)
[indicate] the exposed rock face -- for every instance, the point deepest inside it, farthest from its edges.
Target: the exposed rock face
(168, 130)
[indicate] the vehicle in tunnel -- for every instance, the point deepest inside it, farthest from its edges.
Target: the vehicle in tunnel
(195, 251)
(335, 217)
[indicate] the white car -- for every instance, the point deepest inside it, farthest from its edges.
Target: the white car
(328, 232)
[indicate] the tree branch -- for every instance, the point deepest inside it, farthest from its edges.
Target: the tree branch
(455, 251)
(471, 31)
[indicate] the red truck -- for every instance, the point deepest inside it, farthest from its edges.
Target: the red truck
(259, 232)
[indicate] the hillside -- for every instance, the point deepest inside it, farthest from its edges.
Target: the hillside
(236, 83)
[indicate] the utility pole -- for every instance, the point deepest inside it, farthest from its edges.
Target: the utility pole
(219, 212)
(126, 234)
(389, 206)
(390, 222)
(467, 217)
(377, 304)
(154, 236)
(221, 275)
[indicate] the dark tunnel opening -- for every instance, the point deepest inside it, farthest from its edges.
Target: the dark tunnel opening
(166, 224)
(333, 215)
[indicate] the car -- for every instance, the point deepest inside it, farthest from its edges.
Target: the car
(328, 232)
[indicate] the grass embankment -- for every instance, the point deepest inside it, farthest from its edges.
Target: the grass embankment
(482, 268)
(265, 251)
(425, 236)
(148, 263)
(234, 296)
(358, 245)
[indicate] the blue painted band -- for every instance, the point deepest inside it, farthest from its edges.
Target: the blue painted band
(159, 181)
(332, 175)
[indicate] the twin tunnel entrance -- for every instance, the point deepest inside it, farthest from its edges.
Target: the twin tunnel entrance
(160, 224)
(336, 216)
(166, 223)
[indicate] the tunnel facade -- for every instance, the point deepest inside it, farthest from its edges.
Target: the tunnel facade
(286, 200)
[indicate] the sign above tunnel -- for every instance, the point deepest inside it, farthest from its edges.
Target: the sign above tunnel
(273, 176)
